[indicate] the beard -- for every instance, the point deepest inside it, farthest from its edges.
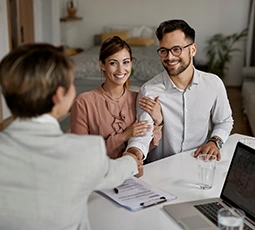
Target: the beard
(176, 72)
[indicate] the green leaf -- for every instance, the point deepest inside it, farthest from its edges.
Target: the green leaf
(219, 51)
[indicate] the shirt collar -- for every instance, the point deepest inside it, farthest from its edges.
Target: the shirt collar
(170, 84)
(46, 118)
(195, 80)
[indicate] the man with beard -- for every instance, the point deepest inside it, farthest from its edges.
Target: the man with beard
(195, 107)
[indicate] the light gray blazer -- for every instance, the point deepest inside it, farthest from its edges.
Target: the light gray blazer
(46, 176)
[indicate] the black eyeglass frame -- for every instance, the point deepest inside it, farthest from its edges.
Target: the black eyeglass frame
(170, 50)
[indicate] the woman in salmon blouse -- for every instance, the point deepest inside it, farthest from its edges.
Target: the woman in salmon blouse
(109, 110)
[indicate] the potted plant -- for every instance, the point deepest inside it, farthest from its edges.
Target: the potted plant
(219, 50)
(71, 8)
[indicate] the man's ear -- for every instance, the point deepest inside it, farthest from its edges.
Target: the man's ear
(59, 95)
(193, 49)
(102, 67)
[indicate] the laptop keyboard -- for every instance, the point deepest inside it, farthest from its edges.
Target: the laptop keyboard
(210, 211)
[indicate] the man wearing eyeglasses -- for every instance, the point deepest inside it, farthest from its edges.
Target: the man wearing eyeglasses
(195, 107)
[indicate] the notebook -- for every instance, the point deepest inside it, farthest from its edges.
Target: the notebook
(238, 191)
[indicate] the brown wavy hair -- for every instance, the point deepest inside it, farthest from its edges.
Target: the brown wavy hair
(111, 46)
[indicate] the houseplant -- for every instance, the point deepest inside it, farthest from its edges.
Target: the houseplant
(71, 8)
(219, 51)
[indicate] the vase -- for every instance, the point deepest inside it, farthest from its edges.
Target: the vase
(71, 12)
(72, 7)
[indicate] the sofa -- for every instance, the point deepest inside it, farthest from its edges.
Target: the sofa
(248, 95)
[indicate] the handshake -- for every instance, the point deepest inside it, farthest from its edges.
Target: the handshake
(138, 156)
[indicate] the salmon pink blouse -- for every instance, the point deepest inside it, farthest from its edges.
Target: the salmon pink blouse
(96, 113)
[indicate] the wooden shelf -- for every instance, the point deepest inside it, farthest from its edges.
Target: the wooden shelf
(69, 19)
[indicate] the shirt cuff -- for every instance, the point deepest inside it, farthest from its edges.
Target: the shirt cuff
(139, 146)
(220, 133)
(132, 161)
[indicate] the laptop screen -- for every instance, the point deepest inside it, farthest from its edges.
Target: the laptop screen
(239, 186)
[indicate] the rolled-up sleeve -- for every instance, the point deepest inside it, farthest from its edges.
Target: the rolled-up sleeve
(222, 115)
(142, 142)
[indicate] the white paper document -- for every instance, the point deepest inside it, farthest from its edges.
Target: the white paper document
(135, 194)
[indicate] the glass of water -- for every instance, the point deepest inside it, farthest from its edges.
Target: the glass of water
(230, 219)
(206, 170)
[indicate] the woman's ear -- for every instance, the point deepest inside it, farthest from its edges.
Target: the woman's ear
(102, 67)
(59, 95)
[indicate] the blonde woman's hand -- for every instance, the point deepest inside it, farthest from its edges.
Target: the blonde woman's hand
(138, 128)
(152, 107)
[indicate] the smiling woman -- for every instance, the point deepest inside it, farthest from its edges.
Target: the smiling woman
(110, 109)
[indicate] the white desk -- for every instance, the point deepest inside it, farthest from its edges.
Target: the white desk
(177, 175)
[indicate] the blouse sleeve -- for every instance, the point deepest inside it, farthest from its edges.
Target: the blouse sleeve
(79, 121)
(115, 145)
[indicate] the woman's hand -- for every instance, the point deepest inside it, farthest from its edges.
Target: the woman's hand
(152, 107)
(138, 128)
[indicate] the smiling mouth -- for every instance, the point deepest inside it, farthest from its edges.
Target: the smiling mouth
(171, 64)
(120, 76)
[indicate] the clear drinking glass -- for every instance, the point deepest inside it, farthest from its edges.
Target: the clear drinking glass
(230, 219)
(206, 170)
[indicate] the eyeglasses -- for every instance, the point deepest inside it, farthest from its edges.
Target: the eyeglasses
(175, 51)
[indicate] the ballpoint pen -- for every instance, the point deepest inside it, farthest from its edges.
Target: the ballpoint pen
(153, 202)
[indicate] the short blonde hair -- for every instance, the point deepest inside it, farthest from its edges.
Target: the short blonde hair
(30, 76)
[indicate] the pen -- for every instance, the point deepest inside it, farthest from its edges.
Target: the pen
(153, 202)
(116, 190)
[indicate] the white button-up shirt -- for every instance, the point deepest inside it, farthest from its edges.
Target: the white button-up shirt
(191, 116)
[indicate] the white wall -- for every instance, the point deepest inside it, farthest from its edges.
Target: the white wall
(46, 20)
(4, 47)
(207, 17)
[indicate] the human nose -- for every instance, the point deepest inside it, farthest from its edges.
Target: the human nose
(120, 67)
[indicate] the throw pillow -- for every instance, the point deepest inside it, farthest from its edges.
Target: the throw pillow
(136, 31)
(70, 52)
(122, 34)
(147, 32)
(139, 41)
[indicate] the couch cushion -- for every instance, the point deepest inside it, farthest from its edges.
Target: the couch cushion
(249, 73)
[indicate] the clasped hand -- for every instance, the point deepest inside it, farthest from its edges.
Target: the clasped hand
(138, 156)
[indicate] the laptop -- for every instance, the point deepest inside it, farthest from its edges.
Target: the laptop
(238, 191)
